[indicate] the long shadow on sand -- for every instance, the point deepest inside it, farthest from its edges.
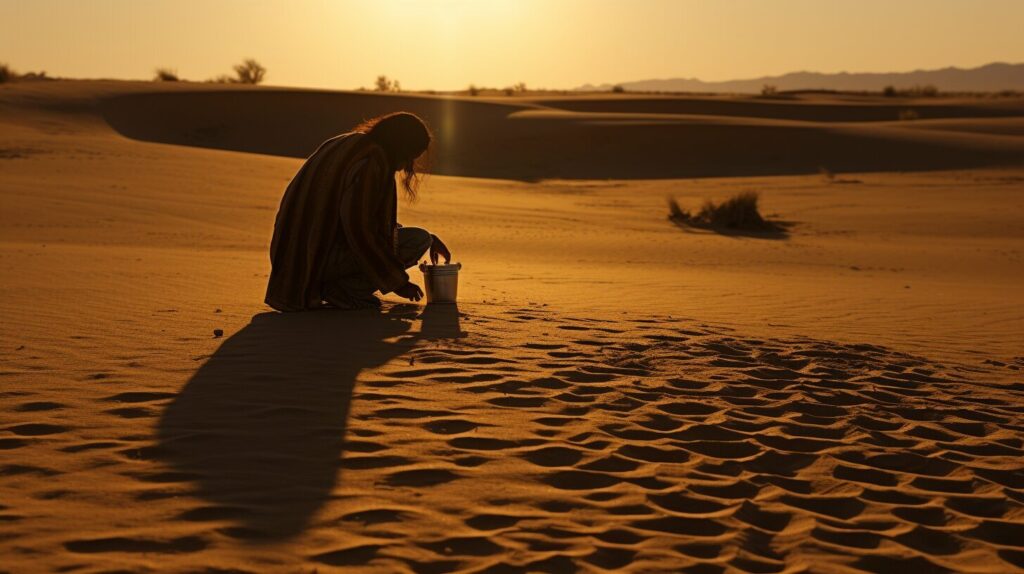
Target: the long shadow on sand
(260, 428)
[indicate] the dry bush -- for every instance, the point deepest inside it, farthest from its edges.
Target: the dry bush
(165, 75)
(385, 84)
(832, 177)
(769, 90)
(473, 90)
(249, 72)
(617, 89)
(927, 91)
(6, 73)
(739, 213)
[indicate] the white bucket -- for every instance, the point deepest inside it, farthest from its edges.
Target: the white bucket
(441, 282)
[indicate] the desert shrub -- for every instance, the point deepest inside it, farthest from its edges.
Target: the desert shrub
(385, 84)
(508, 91)
(520, 87)
(739, 212)
(831, 177)
(222, 79)
(909, 115)
(927, 91)
(618, 89)
(165, 75)
(473, 90)
(769, 90)
(6, 73)
(249, 72)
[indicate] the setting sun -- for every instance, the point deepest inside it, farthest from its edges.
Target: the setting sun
(449, 44)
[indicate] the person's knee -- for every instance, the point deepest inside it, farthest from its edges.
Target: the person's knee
(419, 237)
(414, 241)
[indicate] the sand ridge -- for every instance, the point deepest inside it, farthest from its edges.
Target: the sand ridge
(444, 439)
(585, 138)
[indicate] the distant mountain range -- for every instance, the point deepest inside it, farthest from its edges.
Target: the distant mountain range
(989, 78)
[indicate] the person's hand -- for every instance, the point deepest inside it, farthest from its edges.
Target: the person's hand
(438, 248)
(410, 291)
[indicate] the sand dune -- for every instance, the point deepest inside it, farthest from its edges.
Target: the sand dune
(811, 108)
(612, 393)
(518, 140)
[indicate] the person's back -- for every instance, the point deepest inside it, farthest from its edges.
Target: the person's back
(336, 238)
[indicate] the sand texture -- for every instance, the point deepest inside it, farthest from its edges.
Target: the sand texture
(612, 393)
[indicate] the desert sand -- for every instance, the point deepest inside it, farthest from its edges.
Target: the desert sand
(612, 393)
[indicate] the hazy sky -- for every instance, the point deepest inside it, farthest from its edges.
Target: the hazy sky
(448, 44)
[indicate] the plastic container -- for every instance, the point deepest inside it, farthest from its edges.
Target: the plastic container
(441, 282)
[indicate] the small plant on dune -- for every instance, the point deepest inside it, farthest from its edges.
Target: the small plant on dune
(250, 72)
(832, 177)
(739, 212)
(165, 75)
(520, 87)
(473, 90)
(6, 73)
(769, 90)
(385, 84)
(927, 91)
(618, 89)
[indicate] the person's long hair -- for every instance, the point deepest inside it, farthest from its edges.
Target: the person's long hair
(405, 139)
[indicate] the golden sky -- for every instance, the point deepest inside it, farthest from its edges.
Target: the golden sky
(448, 44)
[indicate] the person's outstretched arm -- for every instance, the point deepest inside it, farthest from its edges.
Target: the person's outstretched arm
(360, 213)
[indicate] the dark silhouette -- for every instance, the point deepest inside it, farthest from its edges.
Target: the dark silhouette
(249, 72)
(336, 236)
(736, 216)
(260, 428)
(405, 140)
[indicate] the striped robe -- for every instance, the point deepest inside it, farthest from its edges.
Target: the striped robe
(346, 194)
